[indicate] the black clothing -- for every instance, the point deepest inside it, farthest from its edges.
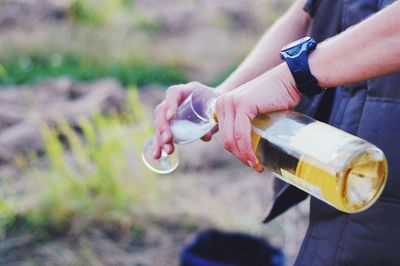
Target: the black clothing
(370, 110)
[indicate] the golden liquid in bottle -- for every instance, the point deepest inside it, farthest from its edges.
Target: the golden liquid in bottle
(351, 188)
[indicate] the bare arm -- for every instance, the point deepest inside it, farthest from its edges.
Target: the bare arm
(293, 25)
(365, 51)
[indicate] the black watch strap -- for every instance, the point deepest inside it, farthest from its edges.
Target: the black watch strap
(305, 81)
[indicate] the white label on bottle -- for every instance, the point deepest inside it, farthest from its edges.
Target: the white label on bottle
(320, 141)
(302, 184)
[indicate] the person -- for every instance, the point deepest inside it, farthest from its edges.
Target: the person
(358, 60)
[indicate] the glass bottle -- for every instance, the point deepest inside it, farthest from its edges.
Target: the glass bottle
(336, 167)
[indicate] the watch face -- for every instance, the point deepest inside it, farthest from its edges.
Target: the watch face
(292, 51)
(295, 44)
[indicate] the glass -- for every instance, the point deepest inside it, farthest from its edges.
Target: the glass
(192, 121)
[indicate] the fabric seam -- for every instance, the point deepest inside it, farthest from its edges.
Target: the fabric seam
(389, 200)
(381, 99)
(342, 240)
(363, 109)
(307, 239)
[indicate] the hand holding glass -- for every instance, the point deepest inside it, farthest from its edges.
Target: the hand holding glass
(192, 121)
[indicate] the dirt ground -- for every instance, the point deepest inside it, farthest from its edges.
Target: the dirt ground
(205, 36)
(234, 199)
(210, 189)
(208, 36)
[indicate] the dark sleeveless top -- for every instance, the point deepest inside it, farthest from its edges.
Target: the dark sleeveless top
(371, 110)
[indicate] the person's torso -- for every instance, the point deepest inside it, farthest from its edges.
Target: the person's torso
(370, 110)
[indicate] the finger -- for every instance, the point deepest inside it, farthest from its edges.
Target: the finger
(259, 168)
(157, 126)
(159, 121)
(168, 148)
(207, 137)
(161, 125)
(164, 135)
(243, 138)
(163, 132)
(156, 149)
(228, 130)
(175, 95)
(159, 144)
(220, 112)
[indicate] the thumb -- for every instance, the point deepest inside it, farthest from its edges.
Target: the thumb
(208, 136)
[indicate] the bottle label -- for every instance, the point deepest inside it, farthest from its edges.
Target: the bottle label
(320, 141)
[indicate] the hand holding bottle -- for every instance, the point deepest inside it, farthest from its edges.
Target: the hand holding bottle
(347, 172)
(270, 92)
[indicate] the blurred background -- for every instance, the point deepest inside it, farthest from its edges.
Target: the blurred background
(78, 83)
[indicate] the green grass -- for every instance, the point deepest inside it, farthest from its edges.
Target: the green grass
(80, 12)
(96, 13)
(35, 67)
(92, 178)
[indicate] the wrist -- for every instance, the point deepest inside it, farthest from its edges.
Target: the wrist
(296, 56)
(316, 68)
(221, 89)
(286, 77)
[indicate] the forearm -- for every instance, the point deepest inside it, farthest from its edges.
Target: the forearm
(291, 26)
(365, 51)
(370, 49)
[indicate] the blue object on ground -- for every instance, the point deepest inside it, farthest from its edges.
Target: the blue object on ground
(216, 248)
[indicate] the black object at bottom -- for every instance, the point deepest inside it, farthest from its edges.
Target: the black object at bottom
(287, 197)
(215, 248)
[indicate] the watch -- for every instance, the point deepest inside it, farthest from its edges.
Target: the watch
(296, 56)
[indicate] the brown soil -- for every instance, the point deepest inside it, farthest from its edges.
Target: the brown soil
(206, 194)
(233, 199)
